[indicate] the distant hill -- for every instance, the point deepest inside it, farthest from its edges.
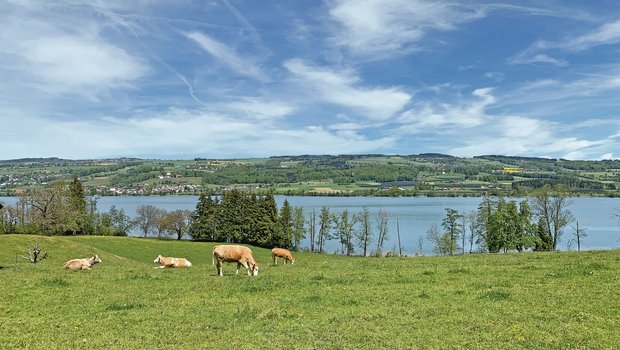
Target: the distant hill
(425, 174)
(56, 160)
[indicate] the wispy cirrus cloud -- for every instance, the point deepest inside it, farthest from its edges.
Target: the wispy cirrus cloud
(344, 88)
(257, 108)
(538, 52)
(228, 56)
(596, 83)
(606, 34)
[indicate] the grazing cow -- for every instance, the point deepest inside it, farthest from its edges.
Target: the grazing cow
(282, 253)
(166, 261)
(235, 253)
(82, 264)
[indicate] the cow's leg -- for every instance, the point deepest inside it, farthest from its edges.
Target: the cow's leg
(219, 269)
(275, 259)
(238, 267)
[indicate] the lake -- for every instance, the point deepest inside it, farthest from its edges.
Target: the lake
(414, 214)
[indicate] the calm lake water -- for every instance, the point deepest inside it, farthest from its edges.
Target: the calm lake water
(415, 215)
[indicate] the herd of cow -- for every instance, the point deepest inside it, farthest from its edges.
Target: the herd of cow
(221, 254)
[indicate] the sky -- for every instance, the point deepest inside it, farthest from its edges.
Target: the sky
(236, 79)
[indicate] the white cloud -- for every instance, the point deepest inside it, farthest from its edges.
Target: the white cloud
(495, 76)
(466, 128)
(607, 156)
(342, 87)
(64, 57)
(174, 133)
(384, 27)
(437, 117)
(228, 56)
(255, 108)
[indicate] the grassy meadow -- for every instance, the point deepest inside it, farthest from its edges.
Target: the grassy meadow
(566, 300)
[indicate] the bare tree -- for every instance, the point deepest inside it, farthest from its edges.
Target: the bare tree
(9, 218)
(345, 227)
(325, 228)
(34, 254)
(382, 229)
(146, 218)
(177, 222)
(472, 220)
(400, 247)
(579, 233)
(551, 207)
(364, 235)
(312, 229)
(441, 241)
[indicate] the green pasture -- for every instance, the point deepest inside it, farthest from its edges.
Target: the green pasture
(565, 300)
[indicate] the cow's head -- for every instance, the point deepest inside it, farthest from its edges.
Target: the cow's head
(292, 261)
(96, 259)
(158, 259)
(254, 269)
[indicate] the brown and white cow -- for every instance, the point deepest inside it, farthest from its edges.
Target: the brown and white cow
(282, 253)
(166, 261)
(82, 264)
(235, 253)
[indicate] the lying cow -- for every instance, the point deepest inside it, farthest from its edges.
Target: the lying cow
(235, 253)
(282, 253)
(82, 264)
(166, 261)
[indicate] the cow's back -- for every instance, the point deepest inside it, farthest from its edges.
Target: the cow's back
(74, 264)
(231, 253)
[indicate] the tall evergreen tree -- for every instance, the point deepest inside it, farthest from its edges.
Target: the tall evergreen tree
(542, 240)
(268, 222)
(285, 223)
(199, 229)
(77, 218)
(234, 221)
(526, 227)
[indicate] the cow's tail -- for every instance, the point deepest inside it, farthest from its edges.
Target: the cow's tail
(213, 258)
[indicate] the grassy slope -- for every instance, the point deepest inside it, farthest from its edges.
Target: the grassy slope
(536, 301)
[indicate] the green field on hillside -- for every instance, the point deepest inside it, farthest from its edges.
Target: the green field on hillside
(559, 300)
(362, 175)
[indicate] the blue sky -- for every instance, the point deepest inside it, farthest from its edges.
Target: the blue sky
(231, 78)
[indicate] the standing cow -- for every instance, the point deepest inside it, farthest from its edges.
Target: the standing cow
(82, 264)
(235, 253)
(282, 253)
(166, 261)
